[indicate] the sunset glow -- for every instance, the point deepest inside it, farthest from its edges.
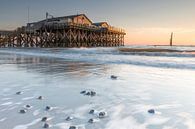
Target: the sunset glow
(160, 36)
(146, 22)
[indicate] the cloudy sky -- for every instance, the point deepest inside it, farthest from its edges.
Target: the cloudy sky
(145, 21)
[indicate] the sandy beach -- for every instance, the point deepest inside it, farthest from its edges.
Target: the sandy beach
(160, 81)
(96, 64)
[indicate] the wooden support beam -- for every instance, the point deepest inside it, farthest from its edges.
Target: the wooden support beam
(63, 36)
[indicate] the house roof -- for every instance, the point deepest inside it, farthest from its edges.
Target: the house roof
(70, 16)
(100, 23)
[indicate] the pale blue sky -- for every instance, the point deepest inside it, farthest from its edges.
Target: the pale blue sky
(138, 17)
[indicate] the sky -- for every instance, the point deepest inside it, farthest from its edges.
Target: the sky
(147, 22)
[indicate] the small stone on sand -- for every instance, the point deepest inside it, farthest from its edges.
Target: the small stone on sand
(19, 92)
(93, 93)
(113, 77)
(90, 93)
(44, 119)
(23, 111)
(72, 127)
(46, 125)
(102, 114)
(91, 111)
(91, 120)
(47, 108)
(83, 92)
(28, 106)
(69, 118)
(151, 111)
(40, 97)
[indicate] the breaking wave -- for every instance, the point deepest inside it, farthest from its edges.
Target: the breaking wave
(178, 60)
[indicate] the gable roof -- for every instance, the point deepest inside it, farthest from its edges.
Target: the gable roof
(73, 16)
(100, 23)
(70, 16)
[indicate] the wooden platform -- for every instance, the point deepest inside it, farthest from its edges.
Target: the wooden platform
(63, 35)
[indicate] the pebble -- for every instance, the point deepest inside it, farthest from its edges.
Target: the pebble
(46, 125)
(69, 118)
(19, 92)
(83, 92)
(113, 77)
(40, 97)
(102, 114)
(47, 108)
(88, 93)
(72, 127)
(92, 121)
(28, 106)
(44, 119)
(23, 111)
(92, 111)
(91, 93)
(151, 111)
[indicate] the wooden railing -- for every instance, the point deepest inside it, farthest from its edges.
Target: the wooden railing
(76, 25)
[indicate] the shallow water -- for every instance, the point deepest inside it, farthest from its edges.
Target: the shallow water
(161, 81)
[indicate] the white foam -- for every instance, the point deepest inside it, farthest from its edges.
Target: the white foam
(36, 112)
(188, 120)
(18, 103)
(25, 126)
(63, 125)
(7, 103)
(3, 119)
(117, 121)
(143, 108)
(80, 112)
(3, 99)
(109, 55)
(14, 107)
(167, 127)
(156, 120)
(168, 106)
(28, 98)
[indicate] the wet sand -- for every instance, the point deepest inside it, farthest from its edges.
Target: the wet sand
(142, 97)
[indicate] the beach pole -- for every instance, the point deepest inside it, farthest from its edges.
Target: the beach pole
(171, 39)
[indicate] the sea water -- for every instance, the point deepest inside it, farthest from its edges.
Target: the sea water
(164, 82)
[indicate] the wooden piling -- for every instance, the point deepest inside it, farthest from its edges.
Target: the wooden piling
(63, 35)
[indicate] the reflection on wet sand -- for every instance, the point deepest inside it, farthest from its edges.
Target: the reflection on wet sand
(40, 96)
(50, 66)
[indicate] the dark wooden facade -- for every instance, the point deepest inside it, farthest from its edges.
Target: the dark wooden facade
(63, 34)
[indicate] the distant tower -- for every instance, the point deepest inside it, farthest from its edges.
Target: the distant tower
(171, 39)
(47, 14)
